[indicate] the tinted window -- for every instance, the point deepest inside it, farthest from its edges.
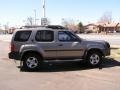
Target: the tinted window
(45, 36)
(22, 36)
(66, 36)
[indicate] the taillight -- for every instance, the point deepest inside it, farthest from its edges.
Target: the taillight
(12, 47)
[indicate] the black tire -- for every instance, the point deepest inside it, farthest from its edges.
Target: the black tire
(31, 62)
(94, 58)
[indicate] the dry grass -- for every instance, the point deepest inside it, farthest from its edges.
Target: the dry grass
(115, 53)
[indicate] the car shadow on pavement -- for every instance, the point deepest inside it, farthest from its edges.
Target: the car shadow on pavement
(62, 66)
(109, 62)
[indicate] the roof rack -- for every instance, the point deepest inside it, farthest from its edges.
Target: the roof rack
(47, 26)
(30, 26)
(55, 27)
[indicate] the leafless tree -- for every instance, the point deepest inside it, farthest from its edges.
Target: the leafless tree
(6, 27)
(70, 24)
(106, 18)
(67, 22)
(48, 21)
(30, 21)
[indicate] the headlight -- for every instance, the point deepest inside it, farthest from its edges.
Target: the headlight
(108, 45)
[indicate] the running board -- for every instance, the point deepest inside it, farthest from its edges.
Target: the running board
(75, 60)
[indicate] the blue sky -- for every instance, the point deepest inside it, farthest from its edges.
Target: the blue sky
(15, 12)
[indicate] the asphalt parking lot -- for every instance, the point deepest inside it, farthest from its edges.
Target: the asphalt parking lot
(58, 75)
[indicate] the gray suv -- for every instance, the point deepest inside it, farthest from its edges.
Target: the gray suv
(34, 45)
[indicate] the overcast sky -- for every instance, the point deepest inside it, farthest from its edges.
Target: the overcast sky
(15, 12)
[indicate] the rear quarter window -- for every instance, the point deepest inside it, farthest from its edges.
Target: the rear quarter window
(22, 36)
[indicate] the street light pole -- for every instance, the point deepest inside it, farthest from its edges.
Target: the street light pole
(35, 16)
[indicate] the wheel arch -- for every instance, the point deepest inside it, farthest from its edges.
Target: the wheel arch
(93, 50)
(29, 52)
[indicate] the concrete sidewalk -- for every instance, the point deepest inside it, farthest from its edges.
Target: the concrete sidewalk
(5, 37)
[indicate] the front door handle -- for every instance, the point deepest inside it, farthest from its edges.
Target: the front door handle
(60, 45)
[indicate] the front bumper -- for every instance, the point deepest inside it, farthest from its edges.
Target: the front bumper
(108, 49)
(107, 52)
(14, 55)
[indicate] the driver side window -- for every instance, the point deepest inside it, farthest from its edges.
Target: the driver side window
(66, 36)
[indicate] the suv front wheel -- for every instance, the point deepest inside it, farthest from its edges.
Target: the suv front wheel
(31, 61)
(94, 58)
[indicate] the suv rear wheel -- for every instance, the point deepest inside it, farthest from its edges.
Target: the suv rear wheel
(94, 58)
(31, 61)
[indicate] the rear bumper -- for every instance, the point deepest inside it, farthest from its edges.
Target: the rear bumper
(14, 55)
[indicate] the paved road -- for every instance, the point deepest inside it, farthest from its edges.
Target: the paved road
(58, 75)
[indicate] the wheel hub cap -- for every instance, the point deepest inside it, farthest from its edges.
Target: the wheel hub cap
(94, 59)
(32, 62)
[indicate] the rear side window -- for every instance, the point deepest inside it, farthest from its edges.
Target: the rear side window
(22, 36)
(44, 36)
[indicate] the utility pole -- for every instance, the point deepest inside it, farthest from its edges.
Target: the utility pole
(44, 13)
(44, 20)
